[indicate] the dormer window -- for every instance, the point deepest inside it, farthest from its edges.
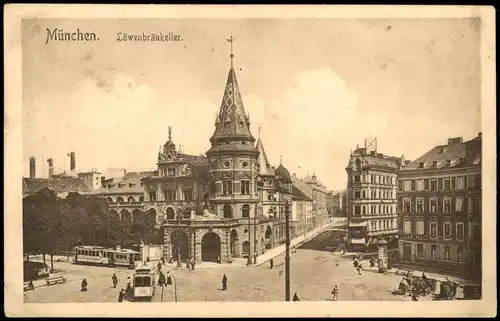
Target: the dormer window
(448, 162)
(434, 164)
(421, 165)
(171, 171)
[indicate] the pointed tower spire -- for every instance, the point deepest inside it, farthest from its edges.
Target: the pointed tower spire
(264, 165)
(232, 123)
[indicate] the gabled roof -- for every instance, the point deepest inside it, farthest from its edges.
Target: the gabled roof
(129, 184)
(303, 187)
(58, 185)
(265, 167)
(299, 195)
(450, 155)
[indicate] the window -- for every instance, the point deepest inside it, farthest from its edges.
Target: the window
(440, 184)
(400, 185)
(152, 196)
(406, 205)
(420, 185)
(420, 204)
(460, 231)
(245, 187)
(407, 227)
(447, 230)
(407, 186)
(420, 228)
(477, 181)
(433, 205)
(426, 184)
(413, 185)
(434, 229)
(453, 183)
(188, 194)
(434, 251)
(446, 204)
(363, 210)
(459, 204)
(245, 211)
(420, 251)
(447, 184)
(357, 179)
(413, 203)
(460, 254)
(357, 210)
(447, 253)
(227, 187)
(227, 211)
(171, 171)
(460, 182)
(170, 194)
(433, 184)
(364, 194)
(357, 195)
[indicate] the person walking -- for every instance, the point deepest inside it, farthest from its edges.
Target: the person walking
(169, 278)
(295, 297)
(335, 293)
(115, 280)
(84, 285)
(121, 294)
(271, 263)
(128, 289)
(224, 283)
(359, 269)
(192, 264)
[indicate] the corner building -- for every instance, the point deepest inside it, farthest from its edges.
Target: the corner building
(440, 210)
(225, 205)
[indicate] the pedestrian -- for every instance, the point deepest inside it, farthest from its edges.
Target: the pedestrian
(128, 289)
(224, 283)
(295, 297)
(218, 259)
(335, 293)
(115, 280)
(159, 265)
(359, 269)
(271, 264)
(293, 249)
(171, 259)
(121, 295)
(163, 260)
(84, 285)
(169, 279)
(161, 279)
(192, 264)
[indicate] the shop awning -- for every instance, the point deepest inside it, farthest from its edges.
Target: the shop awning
(357, 224)
(358, 241)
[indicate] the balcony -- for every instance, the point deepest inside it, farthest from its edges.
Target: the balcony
(126, 204)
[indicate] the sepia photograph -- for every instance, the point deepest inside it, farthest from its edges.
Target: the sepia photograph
(170, 156)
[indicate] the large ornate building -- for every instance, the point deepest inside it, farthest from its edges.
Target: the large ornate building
(440, 209)
(229, 204)
(371, 197)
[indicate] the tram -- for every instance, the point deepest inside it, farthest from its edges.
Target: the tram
(98, 255)
(144, 284)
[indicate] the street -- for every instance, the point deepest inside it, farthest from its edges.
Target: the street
(314, 272)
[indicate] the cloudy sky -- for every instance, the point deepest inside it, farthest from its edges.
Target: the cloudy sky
(317, 87)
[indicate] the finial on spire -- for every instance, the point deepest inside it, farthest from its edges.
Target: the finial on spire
(259, 130)
(169, 132)
(231, 40)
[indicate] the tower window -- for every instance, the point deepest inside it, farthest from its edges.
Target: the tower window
(227, 187)
(245, 187)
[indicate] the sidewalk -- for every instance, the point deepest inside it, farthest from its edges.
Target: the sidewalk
(269, 254)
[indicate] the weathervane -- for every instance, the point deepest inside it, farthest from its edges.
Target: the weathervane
(231, 40)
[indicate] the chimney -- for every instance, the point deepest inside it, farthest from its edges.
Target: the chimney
(50, 161)
(407, 162)
(455, 140)
(72, 163)
(32, 167)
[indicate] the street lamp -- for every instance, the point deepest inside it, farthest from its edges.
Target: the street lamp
(287, 255)
(179, 263)
(175, 288)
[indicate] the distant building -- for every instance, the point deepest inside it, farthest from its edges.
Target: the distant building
(314, 189)
(93, 179)
(334, 203)
(440, 209)
(302, 206)
(371, 197)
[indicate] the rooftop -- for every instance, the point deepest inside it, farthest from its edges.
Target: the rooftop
(130, 183)
(59, 185)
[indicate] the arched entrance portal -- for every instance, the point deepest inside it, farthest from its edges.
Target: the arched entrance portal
(233, 241)
(210, 247)
(180, 245)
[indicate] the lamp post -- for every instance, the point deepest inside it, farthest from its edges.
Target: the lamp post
(287, 255)
(179, 263)
(175, 288)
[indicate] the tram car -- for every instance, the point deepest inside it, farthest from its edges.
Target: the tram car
(143, 284)
(98, 255)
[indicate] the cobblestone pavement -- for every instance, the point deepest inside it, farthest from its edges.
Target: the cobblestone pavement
(313, 275)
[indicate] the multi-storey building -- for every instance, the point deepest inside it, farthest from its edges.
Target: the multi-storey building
(301, 212)
(371, 197)
(320, 213)
(440, 209)
(334, 203)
